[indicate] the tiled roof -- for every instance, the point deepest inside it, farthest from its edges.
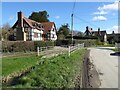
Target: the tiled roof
(100, 32)
(47, 26)
(32, 24)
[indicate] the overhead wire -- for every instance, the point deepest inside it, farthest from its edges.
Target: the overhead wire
(85, 21)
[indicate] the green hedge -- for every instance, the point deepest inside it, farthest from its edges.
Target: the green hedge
(87, 42)
(63, 42)
(24, 46)
(44, 43)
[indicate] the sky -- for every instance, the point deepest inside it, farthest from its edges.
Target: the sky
(96, 15)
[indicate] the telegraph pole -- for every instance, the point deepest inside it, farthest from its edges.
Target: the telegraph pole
(72, 27)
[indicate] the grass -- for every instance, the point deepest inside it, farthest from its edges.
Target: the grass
(14, 64)
(107, 45)
(116, 50)
(54, 72)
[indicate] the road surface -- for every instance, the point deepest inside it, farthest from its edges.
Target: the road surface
(106, 66)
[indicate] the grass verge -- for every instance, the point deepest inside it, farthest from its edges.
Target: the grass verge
(14, 64)
(54, 72)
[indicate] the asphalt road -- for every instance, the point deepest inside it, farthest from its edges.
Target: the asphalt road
(106, 66)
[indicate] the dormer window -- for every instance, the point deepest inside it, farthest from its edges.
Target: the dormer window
(34, 24)
(39, 25)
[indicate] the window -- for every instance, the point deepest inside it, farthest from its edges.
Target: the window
(35, 35)
(40, 35)
(53, 29)
(25, 25)
(53, 36)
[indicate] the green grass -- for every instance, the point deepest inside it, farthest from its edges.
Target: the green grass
(14, 64)
(55, 72)
(107, 45)
(116, 50)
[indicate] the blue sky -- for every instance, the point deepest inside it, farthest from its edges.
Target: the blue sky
(92, 14)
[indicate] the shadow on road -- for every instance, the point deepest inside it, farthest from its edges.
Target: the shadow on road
(115, 54)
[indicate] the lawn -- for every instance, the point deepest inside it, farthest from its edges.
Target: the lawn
(14, 64)
(54, 72)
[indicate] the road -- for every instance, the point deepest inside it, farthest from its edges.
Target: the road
(106, 66)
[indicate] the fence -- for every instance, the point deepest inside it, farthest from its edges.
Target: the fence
(40, 49)
(70, 48)
(117, 45)
(76, 47)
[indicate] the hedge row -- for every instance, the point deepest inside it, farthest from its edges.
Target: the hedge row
(24, 46)
(87, 42)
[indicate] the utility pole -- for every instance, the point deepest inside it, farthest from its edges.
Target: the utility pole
(72, 27)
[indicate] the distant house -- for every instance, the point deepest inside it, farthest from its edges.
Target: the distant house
(101, 34)
(29, 30)
(113, 37)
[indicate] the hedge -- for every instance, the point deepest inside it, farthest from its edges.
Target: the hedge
(24, 46)
(87, 42)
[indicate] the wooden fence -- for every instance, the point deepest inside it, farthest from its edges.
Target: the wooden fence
(117, 45)
(75, 47)
(40, 49)
(71, 48)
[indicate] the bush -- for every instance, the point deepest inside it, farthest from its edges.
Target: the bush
(43, 43)
(87, 42)
(24, 46)
(63, 42)
(99, 43)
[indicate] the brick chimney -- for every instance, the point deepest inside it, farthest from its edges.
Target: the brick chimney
(20, 19)
(113, 32)
(91, 29)
(87, 28)
(87, 32)
(98, 31)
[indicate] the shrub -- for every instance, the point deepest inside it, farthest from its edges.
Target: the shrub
(24, 46)
(87, 42)
(63, 42)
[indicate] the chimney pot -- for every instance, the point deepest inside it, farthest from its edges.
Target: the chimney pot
(20, 19)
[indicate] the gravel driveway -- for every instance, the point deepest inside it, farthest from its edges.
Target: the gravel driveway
(106, 66)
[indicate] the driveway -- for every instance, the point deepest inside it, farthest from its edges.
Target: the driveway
(106, 66)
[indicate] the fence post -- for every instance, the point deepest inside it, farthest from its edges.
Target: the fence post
(79, 46)
(83, 45)
(115, 45)
(38, 51)
(69, 50)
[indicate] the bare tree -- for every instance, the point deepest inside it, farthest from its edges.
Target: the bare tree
(4, 32)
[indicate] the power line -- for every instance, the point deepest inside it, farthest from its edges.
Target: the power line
(85, 21)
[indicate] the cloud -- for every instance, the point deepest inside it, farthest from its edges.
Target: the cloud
(57, 17)
(100, 12)
(99, 18)
(107, 8)
(11, 18)
(113, 6)
(113, 28)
